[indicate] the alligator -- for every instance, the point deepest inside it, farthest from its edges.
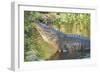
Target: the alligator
(61, 41)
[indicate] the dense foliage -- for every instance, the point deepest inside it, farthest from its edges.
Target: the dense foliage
(34, 46)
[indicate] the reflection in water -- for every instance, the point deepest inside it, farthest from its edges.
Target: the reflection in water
(74, 55)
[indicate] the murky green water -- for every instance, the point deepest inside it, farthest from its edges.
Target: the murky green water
(66, 55)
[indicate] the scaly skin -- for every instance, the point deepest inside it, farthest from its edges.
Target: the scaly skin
(63, 42)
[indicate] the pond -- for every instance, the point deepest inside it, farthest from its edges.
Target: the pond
(66, 55)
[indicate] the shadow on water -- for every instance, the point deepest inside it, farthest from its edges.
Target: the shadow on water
(66, 55)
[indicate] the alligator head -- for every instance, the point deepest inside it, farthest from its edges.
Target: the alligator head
(48, 34)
